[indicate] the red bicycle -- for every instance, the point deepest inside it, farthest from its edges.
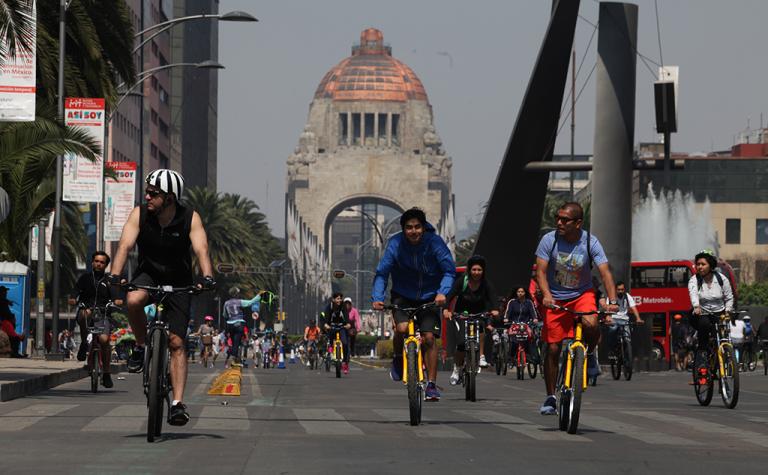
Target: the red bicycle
(521, 333)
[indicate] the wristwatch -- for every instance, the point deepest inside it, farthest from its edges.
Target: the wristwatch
(612, 302)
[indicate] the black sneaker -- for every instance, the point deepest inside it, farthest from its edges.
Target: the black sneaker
(178, 415)
(136, 360)
(106, 380)
(82, 352)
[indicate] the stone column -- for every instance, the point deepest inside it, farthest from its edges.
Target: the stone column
(615, 134)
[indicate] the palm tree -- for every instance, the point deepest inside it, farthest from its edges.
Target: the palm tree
(15, 28)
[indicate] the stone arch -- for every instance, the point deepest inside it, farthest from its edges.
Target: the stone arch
(355, 200)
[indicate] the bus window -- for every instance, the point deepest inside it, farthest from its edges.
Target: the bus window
(659, 323)
(648, 277)
(678, 276)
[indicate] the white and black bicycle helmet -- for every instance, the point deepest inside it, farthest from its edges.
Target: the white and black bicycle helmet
(167, 180)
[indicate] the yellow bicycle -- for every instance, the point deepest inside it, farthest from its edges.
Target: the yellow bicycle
(572, 377)
(413, 364)
(337, 351)
(720, 365)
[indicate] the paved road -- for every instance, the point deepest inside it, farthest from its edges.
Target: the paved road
(297, 421)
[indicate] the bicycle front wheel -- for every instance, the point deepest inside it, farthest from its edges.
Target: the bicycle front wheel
(505, 357)
(414, 385)
(520, 362)
(577, 385)
(337, 362)
(729, 380)
(95, 357)
(155, 396)
(471, 372)
(617, 362)
(497, 358)
(702, 384)
(627, 360)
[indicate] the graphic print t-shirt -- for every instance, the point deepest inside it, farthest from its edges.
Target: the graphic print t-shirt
(568, 273)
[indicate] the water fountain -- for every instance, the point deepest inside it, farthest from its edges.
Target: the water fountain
(671, 225)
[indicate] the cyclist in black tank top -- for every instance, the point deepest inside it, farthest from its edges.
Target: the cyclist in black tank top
(164, 231)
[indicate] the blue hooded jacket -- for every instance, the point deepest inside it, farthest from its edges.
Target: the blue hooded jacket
(418, 272)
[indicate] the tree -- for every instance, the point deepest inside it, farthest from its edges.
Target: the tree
(15, 28)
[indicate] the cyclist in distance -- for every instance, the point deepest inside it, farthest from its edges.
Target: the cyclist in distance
(236, 325)
(564, 260)
(521, 309)
(92, 289)
(710, 293)
(422, 270)
(311, 336)
(473, 294)
(336, 313)
(626, 306)
(164, 231)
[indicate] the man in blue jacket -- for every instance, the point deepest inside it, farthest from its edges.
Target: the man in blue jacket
(422, 270)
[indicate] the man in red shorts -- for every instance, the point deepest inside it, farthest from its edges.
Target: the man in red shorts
(564, 262)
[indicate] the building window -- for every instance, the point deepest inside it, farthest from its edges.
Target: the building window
(382, 127)
(163, 127)
(163, 95)
(153, 150)
(153, 116)
(356, 129)
(395, 124)
(761, 270)
(369, 121)
(343, 128)
(733, 231)
(154, 82)
(163, 159)
(761, 231)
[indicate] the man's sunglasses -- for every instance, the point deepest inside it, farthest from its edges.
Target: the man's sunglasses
(564, 219)
(153, 193)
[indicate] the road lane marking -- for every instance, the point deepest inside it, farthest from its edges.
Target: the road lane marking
(23, 418)
(665, 395)
(705, 426)
(634, 432)
(522, 426)
(227, 383)
(429, 430)
(233, 418)
(125, 418)
(325, 422)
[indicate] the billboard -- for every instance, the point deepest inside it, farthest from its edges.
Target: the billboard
(84, 179)
(119, 195)
(17, 77)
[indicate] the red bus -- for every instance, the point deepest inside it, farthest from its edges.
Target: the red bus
(660, 290)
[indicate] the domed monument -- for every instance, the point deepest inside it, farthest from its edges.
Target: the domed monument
(369, 140)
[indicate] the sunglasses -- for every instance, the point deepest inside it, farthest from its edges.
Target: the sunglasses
(564, 219)
(153, 193)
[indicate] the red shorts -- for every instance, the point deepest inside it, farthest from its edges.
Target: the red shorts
(558, 324)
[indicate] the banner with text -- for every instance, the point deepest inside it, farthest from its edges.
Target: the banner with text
(84, 179)
(119, 195)
(17, 76)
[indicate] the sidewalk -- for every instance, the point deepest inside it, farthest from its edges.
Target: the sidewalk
(21, 377)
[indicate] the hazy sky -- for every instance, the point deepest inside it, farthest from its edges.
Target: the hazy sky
(475, 59)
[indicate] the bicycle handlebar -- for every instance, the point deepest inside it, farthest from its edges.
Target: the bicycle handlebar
(164, 289)
(581, 314)
(472, 316)
(413, 310)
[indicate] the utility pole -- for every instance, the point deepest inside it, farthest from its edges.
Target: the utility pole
(573, 116)
(40, 327)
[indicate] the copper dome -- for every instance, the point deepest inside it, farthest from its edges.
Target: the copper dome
(371, 74)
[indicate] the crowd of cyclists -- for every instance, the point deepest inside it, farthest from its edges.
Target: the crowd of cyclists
(421, 270)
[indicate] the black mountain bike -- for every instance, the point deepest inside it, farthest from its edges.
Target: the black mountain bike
(157, 377)
(97, 324)
(472, 345)
(501, 348)
(621, 356)
(720, 365)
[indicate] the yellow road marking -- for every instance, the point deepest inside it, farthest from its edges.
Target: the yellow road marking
(227, 383)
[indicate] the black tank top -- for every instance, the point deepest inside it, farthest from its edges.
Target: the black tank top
(164, 252)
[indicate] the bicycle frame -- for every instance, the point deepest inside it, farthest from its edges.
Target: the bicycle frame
(577, 342)
(412, 338)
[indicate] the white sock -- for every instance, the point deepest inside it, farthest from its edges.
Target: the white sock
(175, 401)
(551, 395)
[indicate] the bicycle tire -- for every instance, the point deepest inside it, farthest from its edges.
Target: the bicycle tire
(705, 391)
(497, 358)
(470, 372)
(628, 361)
(414, 393)
(564, 401)
(95, 358)
(765, 362)
(520, 367)
(505, 352)
(533, 369)
(617, 362)
(729, 382)
(327, 363)
(337, 362)
(577, 385)
(154, 396)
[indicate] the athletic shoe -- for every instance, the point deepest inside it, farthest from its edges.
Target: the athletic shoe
(396, 372)
(82, 352)
(136, 360)
(483, 363)
(345, 368)
(548, 408)
(178, 415)
(455, 376)
(106, 380)
(432, 393)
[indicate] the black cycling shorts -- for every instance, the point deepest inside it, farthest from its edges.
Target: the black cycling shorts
(428, 320)
(175, 307)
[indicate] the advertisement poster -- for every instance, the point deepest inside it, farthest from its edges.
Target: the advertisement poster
(17, 80)
(84, 179)
(119, 195)
(36, 236)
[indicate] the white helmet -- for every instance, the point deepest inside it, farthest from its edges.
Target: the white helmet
(167, 180)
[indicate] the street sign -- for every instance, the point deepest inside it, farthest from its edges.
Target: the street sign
(339, 274)
(225, 268)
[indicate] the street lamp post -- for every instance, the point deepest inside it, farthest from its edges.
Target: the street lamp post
(167, 25)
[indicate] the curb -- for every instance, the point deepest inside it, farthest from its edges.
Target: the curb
(27, 387)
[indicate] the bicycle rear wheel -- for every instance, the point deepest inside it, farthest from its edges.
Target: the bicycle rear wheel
(627, 360)
(702, 385)
(414, 385)
(155, 396)
(729, 382)
(95, 357)
(577, 385)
